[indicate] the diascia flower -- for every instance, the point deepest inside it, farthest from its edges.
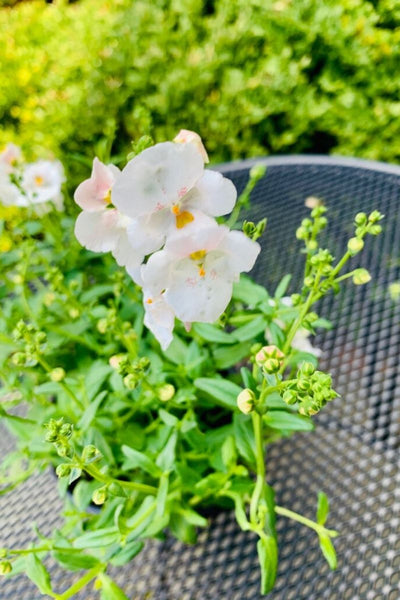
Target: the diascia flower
(100, 227)
(196, 269)
(185, 136)
(164, 189)
(41, 182)
(10, 194)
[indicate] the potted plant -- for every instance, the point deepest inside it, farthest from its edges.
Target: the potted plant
(150, 370)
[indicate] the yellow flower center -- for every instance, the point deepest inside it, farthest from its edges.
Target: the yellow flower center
(198, 255)
(39, 180)
(149, 301)
(202, 271)
(107, 197)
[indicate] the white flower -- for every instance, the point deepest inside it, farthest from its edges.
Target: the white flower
(164, 189)
(185, 136)
(9, 157)
(99, 227)
(159, 318)
(197, 268)
(10, 194)
(41, 182)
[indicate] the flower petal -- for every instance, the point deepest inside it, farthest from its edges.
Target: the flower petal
(240, 250)
(124, 254)
(147, 234)
(185, 136)
(194, 297)
(157, 178)
(203, 233)
(159, 318)
(91, 194)
(156, 273)
(213, 194)
(98, 231)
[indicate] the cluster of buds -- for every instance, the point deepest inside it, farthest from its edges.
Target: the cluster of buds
(132, 372)
(59, 434)
(253, 230)
(311, 390)
(33, 342)
(90, 454)
(108, 322)
(310, 228)
(270, 359)
(54, 277)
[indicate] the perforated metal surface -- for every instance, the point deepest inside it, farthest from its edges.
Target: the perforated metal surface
(353, 455)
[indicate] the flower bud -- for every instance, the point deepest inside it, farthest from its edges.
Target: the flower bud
(63, 470)
(19, 359)
(245, 401)
(355, 245)
(116, 360)
(272, 365)
(323, 222)
(115, 489)
(307, 369)
(90, 452)
(312, 202)
(3, 552)
(166, 392)
(185, 136)
(5, 567)
(40, 337)
(99, 496)
(268, 352)
(375, 216)
(303, 385)
(66, 430)
(57, 374)
(51, 437)
(301, 233)
(360, 218)
(102, 325)
(361, 276)
(296, 299)
(312, 245)
(130, 381)
(73, 313)
(258, 171)
(375, 229)
(309, 281)
(290, 397)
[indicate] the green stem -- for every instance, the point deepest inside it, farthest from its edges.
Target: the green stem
(65, 387)
(81, 583)
(260, 462)
(130, 485)
(285, 512)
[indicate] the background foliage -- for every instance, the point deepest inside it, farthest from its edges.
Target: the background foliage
(252, 76)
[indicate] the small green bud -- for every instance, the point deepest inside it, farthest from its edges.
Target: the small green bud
(309, 281)
(355, 245)
(66, 430)
(130, 381)
(375, 229)
(257, 171)
(323, 222)
(115, 489)
(296, 299)
(63, 470)
(361, 276)
(99, 496)
(57, 374)
(245, 401)
(63, 450)
(360, 218)
(166, 392)
(40, 337)
(303, 385)
(3, 552)
(90, 452)
(314, 203)
(249, 228)
(267, 352)
(312, 245)
(51, 437)
(5, 567)
(290, 397)
(307, 369)
(272, 365)
(255, 348)
(73, 285)
(301, 233)
(19, 359)
(375, 216)
(116, 360)
(74, 313)
(102, 325)
(306, 223)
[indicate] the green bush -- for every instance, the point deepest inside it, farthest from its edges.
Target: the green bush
(252, 76)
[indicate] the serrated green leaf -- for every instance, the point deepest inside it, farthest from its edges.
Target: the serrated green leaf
(322, 508)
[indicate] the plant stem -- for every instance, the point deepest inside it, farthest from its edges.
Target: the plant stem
(81, 583)
(285, 512)
(260, 462)
(65, 387)
(131, 485)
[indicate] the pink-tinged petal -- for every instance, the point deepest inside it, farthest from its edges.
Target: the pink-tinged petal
(195, 297)
(156, 273)
(203, 233)
(185, 136)
(241, 252)
(157, 178)
(159, 318)
(213, 194)
(98, 231)
(93, 193)
(10, 155)
(147, 234)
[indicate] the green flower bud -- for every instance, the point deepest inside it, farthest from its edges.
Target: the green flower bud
(301, 233)
(312, 245)
(249, 228)
(272, 365)
(63, 470)
(290, 397)
(267, 352)
(257, 171)
(355, 245)
(102, 325)
(309, 281)
(3, 552)
(360, 218)
(323, 222)
(66, 430)
(375, 229)
(40, 337)
(5, 567)
(306, 223)
(245, 401)
(90, 452)
(375, 216)
(73, 313)
(296, 299)
(130, 381)
(115, 489)
(303, 385)
(19, 359)
(57, 374)
(307, 369)
(63, 450)
(99, 496)
(166, 392)
(361, 276)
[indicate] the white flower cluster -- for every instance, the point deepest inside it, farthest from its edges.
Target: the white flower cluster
(157, 218)
(26, 184)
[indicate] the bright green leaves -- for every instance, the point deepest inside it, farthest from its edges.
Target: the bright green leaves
(325, 541)
(267, 551)
(37, 572)
(222, 391)
(109, 589)
(322, 508)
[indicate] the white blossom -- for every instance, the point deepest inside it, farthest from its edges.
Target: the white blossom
(41, 183)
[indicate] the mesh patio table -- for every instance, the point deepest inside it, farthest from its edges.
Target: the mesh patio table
(354, 453)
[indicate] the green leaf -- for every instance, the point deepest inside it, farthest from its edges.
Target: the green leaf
(162, 495)
(96, 376)
(267, 550)
(166, 458)
(75, 561)
(168, 418)
(138, 460)
(328, 550)
(275, 335)
(90, 412)
(248, 379)
(244, 437)
(75, 474)
(229, 356)
(274, 400)
(248, 292)
(37, 572)
(281, 419)
(96, 292)
(322, 508)
(251, 330)
(282, 286)
(97, 539)
(182, 529)
(222, 391)
(176, 351)
(212, 333)
(124, 555)
(109, 589)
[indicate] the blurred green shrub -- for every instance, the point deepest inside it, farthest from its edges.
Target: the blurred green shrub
(252, 76)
